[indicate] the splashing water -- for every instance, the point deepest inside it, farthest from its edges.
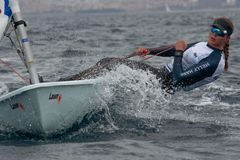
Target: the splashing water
(134, 93)
(3, 89)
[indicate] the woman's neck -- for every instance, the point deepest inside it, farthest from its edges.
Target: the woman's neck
(214, 47)
(220, 47)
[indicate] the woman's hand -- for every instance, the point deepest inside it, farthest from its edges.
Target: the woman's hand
(142, 51)
(181, 45)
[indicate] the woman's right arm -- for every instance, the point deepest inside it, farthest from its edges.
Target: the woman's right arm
(163, 51)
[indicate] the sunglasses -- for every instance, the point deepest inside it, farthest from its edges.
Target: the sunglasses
(217, 31)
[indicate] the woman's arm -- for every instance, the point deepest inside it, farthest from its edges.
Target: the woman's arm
(169, 50)
(205, 68)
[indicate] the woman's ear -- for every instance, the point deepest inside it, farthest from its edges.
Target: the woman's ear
(227, 39)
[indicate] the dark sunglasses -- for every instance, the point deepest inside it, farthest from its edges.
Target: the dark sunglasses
(217, 31)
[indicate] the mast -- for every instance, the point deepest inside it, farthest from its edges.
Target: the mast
(20, 25)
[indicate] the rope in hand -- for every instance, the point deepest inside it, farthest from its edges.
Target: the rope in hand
(16, 72)
(165, 50)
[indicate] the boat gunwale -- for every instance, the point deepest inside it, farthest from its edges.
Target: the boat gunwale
(46, 84)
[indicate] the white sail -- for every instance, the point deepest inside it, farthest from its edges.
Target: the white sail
(5, 13)
(167, 8)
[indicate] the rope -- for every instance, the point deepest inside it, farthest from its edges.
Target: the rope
(16, 72)
(113, 61)
(167, 49)
(19, 51)
(135, 53)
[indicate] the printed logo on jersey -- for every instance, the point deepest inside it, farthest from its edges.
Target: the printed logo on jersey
(196, 69)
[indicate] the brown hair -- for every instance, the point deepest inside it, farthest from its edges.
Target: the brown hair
(230, 26)
(226, 55)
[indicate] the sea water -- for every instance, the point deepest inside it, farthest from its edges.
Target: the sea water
(136, 119)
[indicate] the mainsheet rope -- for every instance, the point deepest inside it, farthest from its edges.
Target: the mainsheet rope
(8, 65)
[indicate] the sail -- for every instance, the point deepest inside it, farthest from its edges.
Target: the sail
(167, 8)
(5, 13)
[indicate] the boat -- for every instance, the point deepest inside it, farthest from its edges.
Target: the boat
(40, 108)
(46, 108)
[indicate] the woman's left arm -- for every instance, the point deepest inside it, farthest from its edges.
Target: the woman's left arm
(205, 68)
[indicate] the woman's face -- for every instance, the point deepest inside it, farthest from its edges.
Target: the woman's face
(216, 39)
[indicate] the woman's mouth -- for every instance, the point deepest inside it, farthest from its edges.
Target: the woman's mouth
(213, 39)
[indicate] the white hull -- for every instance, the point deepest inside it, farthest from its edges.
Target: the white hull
(46, 108)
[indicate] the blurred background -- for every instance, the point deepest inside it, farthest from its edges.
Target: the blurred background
(124, 5)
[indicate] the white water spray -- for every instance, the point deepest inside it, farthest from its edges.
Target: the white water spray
(135, 92)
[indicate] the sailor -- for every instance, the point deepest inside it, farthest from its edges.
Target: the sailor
(199, 63)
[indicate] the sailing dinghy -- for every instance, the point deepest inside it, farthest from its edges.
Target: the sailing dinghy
(40, 108)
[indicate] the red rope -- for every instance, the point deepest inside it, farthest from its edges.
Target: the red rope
(16, 72)
(165, 50)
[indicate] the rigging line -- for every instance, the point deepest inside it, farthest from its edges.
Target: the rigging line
(13, 44)
(7, 27)
(8, 35)
(19, 49)
(17, 37)
(13, 70)
(165, 50)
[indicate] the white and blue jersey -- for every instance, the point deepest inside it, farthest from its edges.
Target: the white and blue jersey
(199, 64)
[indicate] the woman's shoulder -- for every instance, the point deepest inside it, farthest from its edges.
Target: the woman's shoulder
(201, 43)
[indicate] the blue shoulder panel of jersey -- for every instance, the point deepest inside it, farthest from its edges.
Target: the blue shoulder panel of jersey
(7, 10)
